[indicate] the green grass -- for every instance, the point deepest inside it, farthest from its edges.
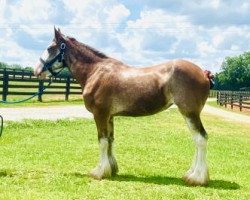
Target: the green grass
(50, 159)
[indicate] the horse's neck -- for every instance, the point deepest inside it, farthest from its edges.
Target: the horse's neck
(80, 69)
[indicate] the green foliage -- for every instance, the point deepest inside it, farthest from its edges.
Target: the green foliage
(2, 65)
(51, 159)
(235, 73)
(14, 66)
(65, 71)
(28, 68)
(10, 66)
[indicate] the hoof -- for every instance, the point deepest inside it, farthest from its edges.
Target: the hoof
(113, 165)
(100, 172)
(196, 179)
(188, 173)
(95, 175)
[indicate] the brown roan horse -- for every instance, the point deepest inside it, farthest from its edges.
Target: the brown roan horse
(111, 88)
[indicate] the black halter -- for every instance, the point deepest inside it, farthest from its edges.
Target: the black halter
(60, 58)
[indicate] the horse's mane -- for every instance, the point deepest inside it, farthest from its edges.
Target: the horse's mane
(87, 50)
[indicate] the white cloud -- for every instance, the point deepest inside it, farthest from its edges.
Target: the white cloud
(37, 30)
(2, 10)
(245, 7)
(204, 48)
(94, 18)
(31, 11)
(162, 22)
(215, 3)
(96, 14)
(25, 16)
(158, 35)
(116, 14)
(12, 52)
(155, 37)
(217, 40)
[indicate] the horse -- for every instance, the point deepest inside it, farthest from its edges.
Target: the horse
(111, 88)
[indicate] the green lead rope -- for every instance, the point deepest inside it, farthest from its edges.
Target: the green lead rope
(1, 128)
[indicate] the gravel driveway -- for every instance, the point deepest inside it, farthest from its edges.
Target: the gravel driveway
(50, 112)
(79, 111)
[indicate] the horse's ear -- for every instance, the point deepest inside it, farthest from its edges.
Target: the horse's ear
(57, 34)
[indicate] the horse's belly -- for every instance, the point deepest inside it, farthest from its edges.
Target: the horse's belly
(145, 106)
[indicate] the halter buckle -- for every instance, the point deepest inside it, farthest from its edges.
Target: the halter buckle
(63, 46)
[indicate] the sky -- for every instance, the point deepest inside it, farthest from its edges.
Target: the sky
(137, 32)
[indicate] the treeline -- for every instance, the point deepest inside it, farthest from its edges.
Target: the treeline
(14, 66)
(19, 67)
(235, 73)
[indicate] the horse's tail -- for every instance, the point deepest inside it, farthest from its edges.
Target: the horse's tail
(210, 77)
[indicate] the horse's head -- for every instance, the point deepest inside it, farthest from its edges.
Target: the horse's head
(52, 60)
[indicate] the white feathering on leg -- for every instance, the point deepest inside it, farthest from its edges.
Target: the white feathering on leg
(103, 169)
(199, 174)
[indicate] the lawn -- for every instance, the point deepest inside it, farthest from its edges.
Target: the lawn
(50, 160)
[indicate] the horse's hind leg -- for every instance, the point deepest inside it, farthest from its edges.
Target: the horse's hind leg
(198, 172)
(107, 166)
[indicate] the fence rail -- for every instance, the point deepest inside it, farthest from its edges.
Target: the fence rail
(22, 82)
(233, 99)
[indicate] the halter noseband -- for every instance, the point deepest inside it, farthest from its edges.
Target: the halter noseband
(60, 58)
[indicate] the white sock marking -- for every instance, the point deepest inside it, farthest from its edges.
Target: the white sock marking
(200, 170)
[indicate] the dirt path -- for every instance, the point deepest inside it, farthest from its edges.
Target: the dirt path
(50, 113)
(227, 115)
(79, 111)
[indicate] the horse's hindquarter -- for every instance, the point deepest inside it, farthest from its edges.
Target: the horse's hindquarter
(189, 86)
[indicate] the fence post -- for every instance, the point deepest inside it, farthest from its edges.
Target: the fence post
(14, 74)
(67, 88)
(5, 84)
(221, 98)
(225, 101)
(40, 90)
(232, 100)
(218, 96)
(240, 102)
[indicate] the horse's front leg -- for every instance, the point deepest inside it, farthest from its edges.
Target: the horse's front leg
(111, 157)
(107, 165)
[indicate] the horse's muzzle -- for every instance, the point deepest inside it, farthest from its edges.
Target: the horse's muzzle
(38, 71)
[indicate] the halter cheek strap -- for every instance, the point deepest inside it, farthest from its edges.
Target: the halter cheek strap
(60, 58)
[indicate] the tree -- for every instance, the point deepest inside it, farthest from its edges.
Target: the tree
(3, 65)
(235, 73)
(10, 66)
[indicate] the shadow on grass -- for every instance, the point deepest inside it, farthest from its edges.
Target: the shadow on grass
(76, 174)
(166, 180)
(159, 180)
(6, 173)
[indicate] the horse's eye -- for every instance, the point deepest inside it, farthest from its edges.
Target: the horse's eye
(50, 49)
